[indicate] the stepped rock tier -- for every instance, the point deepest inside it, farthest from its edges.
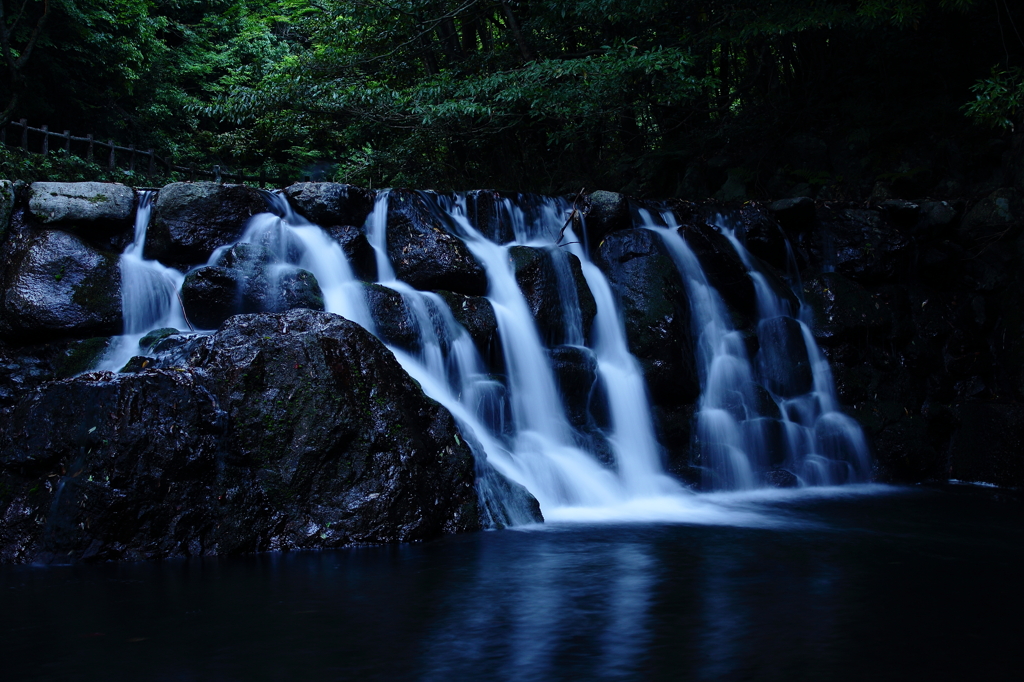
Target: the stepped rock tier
(214, 369)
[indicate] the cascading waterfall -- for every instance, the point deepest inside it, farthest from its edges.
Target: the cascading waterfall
(517, 423)
(810, 438)
(730, 429)
(296, 242)
(824, 445)
(540, 453)
(149, 293)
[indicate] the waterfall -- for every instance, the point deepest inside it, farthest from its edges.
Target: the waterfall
(824, 446)
(149, 293)
(540, 452)
(514, 417)
(737, 436)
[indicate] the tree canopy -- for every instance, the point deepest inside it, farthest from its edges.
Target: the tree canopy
(669, 97)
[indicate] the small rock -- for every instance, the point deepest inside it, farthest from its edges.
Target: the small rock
(795, 215)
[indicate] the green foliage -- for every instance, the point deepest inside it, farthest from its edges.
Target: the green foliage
(542, 95)
(999, 99)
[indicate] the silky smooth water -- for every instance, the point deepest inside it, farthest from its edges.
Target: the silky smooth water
(857, 583)
(515, 420)
(149, 293)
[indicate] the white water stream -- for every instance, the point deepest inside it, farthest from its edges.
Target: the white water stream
(149, 294)
(810, 438)
(517, 423)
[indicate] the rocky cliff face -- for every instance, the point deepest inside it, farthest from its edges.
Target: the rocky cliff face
(292, 428)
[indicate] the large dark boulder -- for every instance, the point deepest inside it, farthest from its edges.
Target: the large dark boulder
(331, 203)
(424, 253)
(57, 286)
(655, 310)
(555, 298)
(246, 279)
(293, 430)
(191, 219)
(763, 236)
(211, 295)
(935, 219)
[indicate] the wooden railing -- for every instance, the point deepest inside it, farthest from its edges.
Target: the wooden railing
(118, 157)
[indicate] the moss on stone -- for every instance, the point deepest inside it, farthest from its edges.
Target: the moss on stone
(82, 356)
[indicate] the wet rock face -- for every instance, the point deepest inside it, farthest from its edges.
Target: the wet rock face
(81, 202)
(292, 430)
(425, 254)
(656, 312)
(331, 203)
(357, 249)
(843, 310)
(485, 213)
(575, 371)
(724, 269)
(394, 321)
(763, 236)
(997, 215)
(539, 281)
(609, 212)
(862, 245)
(246, 280)
(191, 219)
(476, 315)
(57, 286)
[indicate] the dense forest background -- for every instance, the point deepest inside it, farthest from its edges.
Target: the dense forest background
(830, 98)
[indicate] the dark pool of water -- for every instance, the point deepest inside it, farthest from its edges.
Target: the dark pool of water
(903, 585)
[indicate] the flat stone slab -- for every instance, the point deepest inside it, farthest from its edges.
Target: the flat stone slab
(72, 202)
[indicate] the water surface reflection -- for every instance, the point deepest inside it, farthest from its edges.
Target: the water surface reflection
(906, 585)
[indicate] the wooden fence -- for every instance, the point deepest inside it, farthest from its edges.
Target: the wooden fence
(146, 161)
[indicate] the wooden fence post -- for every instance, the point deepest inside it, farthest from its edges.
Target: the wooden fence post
(216, 175)
(46, 139)
(192, 172)
(67, 143)
(152, 163)
(113, 156)
(24, 134)
(89, 137)
(131, 159)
